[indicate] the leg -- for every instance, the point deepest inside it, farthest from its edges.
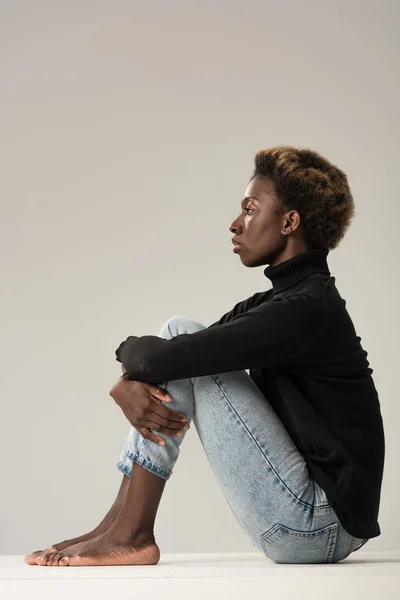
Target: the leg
(130, 538)
(261, 472)
(110, 517)
(263, 476)
(31, 559)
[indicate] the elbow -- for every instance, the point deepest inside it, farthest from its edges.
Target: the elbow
(152, 374)
(135, 371)
(144, 373)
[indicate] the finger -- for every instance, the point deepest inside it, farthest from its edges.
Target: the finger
(162, 429)
(151, 436)
(159, 393)
(167, 413)
(159, 421)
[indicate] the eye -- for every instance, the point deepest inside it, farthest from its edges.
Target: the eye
(247, 208)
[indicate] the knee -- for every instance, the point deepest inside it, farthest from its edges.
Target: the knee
(177, 325)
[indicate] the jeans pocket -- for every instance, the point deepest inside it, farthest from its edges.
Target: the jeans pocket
(285, 545)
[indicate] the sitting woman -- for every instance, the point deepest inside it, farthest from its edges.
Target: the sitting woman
(279, 390)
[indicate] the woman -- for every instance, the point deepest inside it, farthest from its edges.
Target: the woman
(296, 444)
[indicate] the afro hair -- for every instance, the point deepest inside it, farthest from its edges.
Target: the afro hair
(307, 182)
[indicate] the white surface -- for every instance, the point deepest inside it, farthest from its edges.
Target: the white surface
(368, 575)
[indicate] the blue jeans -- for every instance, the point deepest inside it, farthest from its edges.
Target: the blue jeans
(264, 477)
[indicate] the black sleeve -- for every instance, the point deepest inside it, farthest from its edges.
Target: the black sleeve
(273, 333)
(244, 306)
(239, 308)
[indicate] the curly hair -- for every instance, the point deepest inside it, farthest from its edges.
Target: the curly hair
(307, 182)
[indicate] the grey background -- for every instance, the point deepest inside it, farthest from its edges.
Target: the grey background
(128, 131)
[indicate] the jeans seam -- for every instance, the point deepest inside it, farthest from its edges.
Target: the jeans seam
(333, 531)
(122, 466)
(149, 465)
(262, 451)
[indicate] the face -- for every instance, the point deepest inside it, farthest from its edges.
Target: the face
(258, 228)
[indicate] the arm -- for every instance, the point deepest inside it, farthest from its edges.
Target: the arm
(244, 306)
(272, 333)
(240, 307)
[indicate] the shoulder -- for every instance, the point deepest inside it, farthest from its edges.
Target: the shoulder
(308, 301)
(318, 290)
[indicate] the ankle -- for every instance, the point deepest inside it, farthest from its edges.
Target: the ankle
(138, 537)
(132, 532)
(143, 537)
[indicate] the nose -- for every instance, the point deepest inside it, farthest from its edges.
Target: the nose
(233, 228)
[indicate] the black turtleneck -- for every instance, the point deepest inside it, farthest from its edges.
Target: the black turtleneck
(299, 343)
(293, 270)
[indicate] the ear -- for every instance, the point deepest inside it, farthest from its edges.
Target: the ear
(292, 222)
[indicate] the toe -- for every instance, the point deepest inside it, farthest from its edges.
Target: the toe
(42, 559)
(64, 561)
(56, 559)
(30, 559)
(78, 561)
(52, 559)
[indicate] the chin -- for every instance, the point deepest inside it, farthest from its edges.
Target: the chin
(249, 262)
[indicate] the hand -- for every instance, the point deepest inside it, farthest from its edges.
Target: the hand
(140, 404)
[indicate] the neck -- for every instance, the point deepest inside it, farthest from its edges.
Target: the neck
(291, 250)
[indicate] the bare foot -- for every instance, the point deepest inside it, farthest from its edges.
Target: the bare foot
(31, 559)
(108, 548)
(105, 524)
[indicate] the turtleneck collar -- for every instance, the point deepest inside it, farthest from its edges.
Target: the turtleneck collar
(293, 270)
